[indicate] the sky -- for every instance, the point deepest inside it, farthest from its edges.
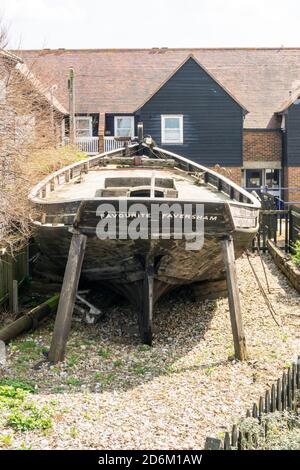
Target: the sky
(73, 24)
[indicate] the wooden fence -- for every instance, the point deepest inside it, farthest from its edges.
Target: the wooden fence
(12, 268)
(282, 396)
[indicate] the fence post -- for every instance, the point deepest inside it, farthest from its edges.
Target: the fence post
(15, 297)
(287, 231)
(10, 281)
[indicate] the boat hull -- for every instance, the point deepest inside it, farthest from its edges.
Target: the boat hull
(121, 263)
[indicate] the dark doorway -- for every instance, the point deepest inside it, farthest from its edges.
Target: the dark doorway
(254, 179)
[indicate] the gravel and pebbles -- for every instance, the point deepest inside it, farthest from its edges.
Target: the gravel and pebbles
(114, 393)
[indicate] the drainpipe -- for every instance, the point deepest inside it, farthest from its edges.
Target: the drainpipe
(52, 89)
(71, 85)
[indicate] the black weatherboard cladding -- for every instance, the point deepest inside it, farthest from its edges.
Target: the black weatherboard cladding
(212, 119)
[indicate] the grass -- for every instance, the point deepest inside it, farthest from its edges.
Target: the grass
(72, 360)
(105, 353)
(46, 161)
(25, 345)
(18, 384)
(117, 363)
(209, 370)
(103, 379)
(144, 348)
(138, 369)
(73, 381)
(6, 440)
(58, 389)
(74, 432)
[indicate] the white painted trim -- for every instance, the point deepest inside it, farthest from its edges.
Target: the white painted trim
(261, 165)
(132, 124)
(163, 139)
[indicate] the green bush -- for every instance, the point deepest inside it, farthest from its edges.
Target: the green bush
(18, 384)
(296, 255)
(19, 413)
(29, 419)
(283, 431)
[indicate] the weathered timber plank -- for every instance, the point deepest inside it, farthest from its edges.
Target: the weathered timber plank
(146, 311)
(67, 299)
(234, 299)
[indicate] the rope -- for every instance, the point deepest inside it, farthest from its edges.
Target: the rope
(262, 291)
(264, 270)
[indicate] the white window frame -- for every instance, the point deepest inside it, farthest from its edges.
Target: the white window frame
(163, 136)
(116, 126)
(89, 127)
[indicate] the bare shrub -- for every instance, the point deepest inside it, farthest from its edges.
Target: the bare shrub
(30, 142)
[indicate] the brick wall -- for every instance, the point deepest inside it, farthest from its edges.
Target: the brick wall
(262, 145)
(101, 131)
(292, 180)
(233, 173)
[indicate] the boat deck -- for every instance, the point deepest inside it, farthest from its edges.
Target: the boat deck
(90, 185)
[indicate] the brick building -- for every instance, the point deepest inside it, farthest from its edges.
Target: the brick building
(236, 108)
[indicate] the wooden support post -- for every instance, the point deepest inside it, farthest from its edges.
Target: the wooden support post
(15, 299)
(67, 298)
(239, 340)
(11, 271)
(146, 311)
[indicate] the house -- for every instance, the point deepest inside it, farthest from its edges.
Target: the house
(236, 107)
(29, 111)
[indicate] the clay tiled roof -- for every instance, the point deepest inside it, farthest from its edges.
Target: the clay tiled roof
(119, 81)
(9, 55)
(40, 87)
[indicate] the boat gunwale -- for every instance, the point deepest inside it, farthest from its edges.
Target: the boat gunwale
(34, 198)
(255, 201)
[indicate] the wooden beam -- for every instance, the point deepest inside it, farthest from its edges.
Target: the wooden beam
(67, 298)
(239, 340)
(146, 311)
(30, 320)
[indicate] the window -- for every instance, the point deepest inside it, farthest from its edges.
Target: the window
(264, 179)
(273, 178)
(254, 179)
(171, 129)
(24, 128)
(84, 126)
(124, 126)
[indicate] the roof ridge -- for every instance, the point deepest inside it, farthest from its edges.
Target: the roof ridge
(183, 49)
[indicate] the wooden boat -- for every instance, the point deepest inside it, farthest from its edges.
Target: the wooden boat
(141, 269)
